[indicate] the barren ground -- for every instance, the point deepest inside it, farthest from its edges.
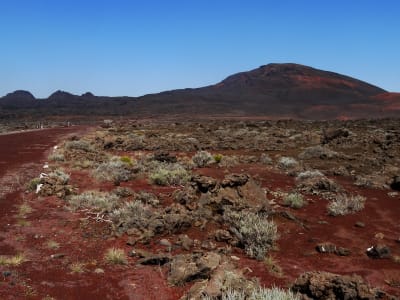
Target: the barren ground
(53, 239)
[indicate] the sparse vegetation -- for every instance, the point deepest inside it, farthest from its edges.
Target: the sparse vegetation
(257, 233)
(218, 158)
(15, 260)
(345, 204)
(116, 256)
(78, 145)
(286, 163)
(294, 200)
(114, 170)
(203, 159)
(170, 174)
(256, 294)
(132, 214)
(53, 245)
(77, 267)
(97, 201)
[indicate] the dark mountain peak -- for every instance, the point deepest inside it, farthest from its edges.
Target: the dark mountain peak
(20, 94)
(61, 95)
(289, 76)
(88, 95)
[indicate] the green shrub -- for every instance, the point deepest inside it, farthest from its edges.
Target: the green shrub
(344, 204)
(217, 158)
(32, 184)
(56, 156)
(132, 214)
(127, 160)
(170, 174)
(294, 200)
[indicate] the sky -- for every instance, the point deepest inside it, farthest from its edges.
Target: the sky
(132, 48)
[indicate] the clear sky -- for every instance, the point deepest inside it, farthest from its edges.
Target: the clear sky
(122, 47)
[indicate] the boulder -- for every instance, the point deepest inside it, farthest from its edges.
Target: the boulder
(379, 251)
(328, 286)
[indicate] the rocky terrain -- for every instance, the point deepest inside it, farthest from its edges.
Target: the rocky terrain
(273, 91)
(205, 210)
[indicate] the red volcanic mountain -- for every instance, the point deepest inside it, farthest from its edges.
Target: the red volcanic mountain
(273, 91)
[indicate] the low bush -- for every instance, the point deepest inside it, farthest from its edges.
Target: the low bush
(265, 159)
(115, 256)
(217, 158)
(344, 204)
(203, 159)
(170, 174)
(256, 294)
(294, 200)
(132, 214)
(57, 156)
(286, 163)
(79, 145)
(114, 170)
(256, 232)
(96, 201)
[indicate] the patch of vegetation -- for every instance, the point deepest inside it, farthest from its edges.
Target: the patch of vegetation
(256, 294)
(203, 158)
(265, 159)
(273, 266)
(57, 157)
(114, 170)
(96, 201)
(77, 267)
(79, 145)
(53, 245)
(24, 209)
(294, 200)
(115, 256)
(170, 174)
(217, 158)
(346, 204)
(32, 184)
(15, 260)
(59, 176)
(286, 163)
(127, 160)
(256, 232)
(132, 214)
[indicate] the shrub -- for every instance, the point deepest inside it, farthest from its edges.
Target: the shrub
(78, 145)
(256, 294)
(94, 200)
(294, 200)
(115, 256)
(60, 176)
(344, 204)
(203, 159)
(309, 174)
(170, 174)
(286, 163)
(257, 233)
(317, 152)
(265, 159)
(127, 160)
(114, 170)
(56, 156)
(217, 158)
(15, 260)
(132, 214)
(33, 184)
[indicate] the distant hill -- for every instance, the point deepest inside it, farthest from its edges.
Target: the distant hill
(270, 91)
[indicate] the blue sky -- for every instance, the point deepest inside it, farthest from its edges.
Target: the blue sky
(121, 47)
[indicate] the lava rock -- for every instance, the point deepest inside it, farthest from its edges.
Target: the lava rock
(379, 251)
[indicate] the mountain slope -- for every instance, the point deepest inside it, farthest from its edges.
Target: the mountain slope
(274, 90)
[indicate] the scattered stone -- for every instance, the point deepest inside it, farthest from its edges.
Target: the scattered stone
(189, 267)
(7, 273)
(233, 180)
(328, 286)
(159, 260)
(57, 255)
(332, 248)
(99, 271)
(185, 242)
(395, 185)
(359, 224)
(379, 251)
(208, 245)
(163, 156)
(166, 243)
(204, 183)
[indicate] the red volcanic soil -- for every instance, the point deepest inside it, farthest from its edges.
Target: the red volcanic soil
(47, 271)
